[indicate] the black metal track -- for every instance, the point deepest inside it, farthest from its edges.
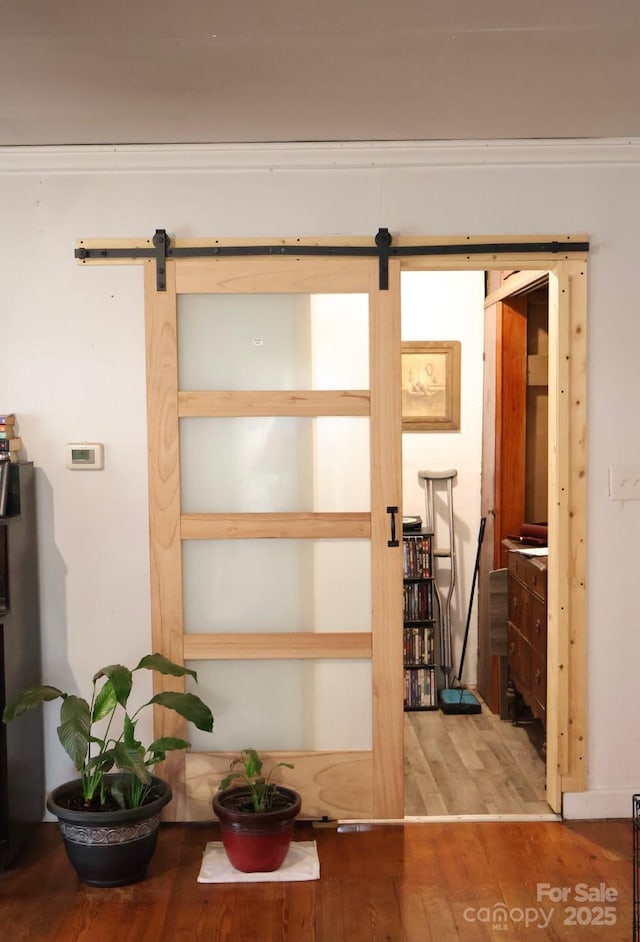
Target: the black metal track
(382, 249)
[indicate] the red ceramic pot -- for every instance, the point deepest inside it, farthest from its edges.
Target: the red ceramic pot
(256, 841)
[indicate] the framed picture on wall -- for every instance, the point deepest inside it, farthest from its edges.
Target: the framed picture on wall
(430, 385)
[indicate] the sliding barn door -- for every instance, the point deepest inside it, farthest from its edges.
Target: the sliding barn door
(275, 489)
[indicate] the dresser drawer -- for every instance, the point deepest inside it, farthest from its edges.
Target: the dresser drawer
(539, 686)
(518, 604)
(536, 627)
(519, 652)
(530, 572)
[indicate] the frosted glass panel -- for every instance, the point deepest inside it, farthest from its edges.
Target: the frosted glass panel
(276, 585)
(285, 704)
(275, 464)
(272, 341)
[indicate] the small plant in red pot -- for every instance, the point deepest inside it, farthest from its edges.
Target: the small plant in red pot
(257, 816)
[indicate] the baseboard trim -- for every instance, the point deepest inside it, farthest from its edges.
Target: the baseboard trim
(598, 804)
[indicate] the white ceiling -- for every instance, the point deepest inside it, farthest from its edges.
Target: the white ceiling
(207, 71)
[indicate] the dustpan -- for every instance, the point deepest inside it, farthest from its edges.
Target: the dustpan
(458, 701)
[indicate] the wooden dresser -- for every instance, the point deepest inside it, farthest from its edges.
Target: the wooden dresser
(527, 631)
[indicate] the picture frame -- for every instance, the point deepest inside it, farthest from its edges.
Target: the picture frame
(430, 385)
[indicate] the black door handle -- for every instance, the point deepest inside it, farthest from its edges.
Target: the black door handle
(393, 511)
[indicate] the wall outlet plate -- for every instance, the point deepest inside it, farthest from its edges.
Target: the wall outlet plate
(85, 456)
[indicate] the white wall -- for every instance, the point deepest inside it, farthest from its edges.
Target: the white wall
(449, 306)
(73, 358)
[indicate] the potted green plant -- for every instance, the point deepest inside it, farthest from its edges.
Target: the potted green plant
(257, 816)
(109, 816)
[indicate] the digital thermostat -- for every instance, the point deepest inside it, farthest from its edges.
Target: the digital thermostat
(85, 456)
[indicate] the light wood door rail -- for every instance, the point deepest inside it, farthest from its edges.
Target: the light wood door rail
(308, 403)
(274, 645)
(275, 526)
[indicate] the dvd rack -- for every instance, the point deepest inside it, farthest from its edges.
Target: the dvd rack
(419, 625)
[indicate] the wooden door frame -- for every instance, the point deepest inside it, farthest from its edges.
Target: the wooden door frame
(566, 763)
(567, 682)
(566, 760)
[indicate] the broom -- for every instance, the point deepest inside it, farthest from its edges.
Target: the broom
(460, 701)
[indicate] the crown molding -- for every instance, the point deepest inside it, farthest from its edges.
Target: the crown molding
(371, 155)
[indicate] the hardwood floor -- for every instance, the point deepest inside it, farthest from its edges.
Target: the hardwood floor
(431, 881)
(419, 882)
(476, 764)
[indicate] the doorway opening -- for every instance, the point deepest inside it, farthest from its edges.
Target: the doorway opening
(491, 763)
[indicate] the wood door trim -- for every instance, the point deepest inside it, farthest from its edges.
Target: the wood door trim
(566, 581)
(567, 747)
(520, 282)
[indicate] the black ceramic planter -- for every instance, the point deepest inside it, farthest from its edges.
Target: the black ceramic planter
(109, 848)
(256, 841)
